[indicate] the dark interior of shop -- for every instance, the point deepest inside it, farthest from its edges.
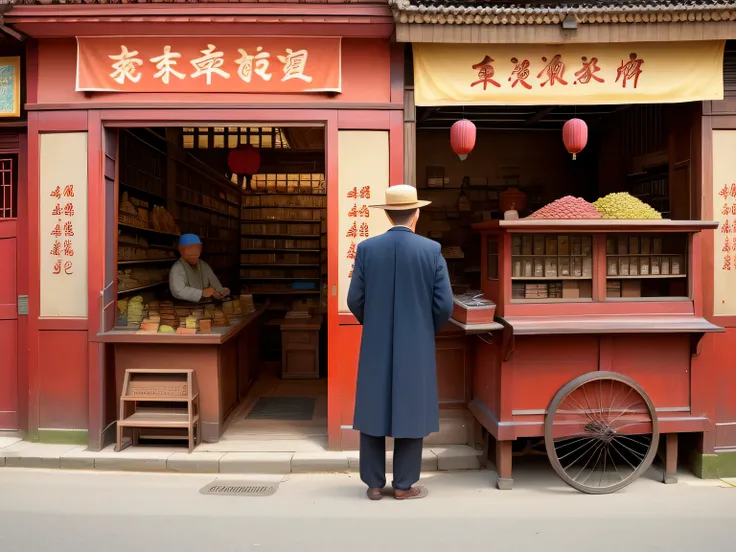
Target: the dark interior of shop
(263, 234)
(519, 160)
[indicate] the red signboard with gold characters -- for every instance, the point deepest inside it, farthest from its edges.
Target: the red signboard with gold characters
(290, 64)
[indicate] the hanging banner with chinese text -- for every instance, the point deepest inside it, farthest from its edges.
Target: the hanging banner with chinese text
(208, 64)
(724, 211)
(63, 224)
(570, 74)
(363, 165)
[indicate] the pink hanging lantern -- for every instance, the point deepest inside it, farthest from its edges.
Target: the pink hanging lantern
(462, 138)
(245, 160)
(575, 136)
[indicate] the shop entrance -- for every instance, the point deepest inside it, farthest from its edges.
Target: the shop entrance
(256, 198)
(562, 265)
(520, 163)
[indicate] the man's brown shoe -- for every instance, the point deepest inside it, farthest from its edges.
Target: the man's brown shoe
(410, 494)
(374, 494)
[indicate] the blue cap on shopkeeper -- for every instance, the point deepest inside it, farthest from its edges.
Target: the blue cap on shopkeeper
(189, 239)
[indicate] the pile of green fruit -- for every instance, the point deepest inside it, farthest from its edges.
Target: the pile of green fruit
(622, 205)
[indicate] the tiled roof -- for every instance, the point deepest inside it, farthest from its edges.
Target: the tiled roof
(469, 12)
(73, 2)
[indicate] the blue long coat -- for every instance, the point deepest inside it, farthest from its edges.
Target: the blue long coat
(400, 292)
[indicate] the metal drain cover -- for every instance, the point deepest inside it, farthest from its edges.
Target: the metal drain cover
(239, 488)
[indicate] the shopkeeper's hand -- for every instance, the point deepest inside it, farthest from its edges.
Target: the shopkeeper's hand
(208, 292)
(225, 292)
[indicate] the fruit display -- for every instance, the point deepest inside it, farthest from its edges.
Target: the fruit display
(566, 208)
(623, 205)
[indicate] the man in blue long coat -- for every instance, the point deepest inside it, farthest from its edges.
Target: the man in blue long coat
(400, 292)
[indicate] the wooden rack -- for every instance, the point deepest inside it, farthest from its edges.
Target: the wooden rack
(159, 399)
(155, 170)
(281, 242)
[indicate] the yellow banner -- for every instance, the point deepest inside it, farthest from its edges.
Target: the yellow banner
(570, 74)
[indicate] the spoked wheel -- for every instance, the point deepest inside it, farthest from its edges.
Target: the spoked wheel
(601, 432)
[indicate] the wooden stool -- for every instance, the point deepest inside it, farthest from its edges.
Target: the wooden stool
(159, 386)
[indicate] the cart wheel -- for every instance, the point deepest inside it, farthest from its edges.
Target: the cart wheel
(601, 432)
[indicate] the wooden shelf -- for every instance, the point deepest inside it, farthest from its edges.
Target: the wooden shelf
(207, 209)
(646, 276)
(160, 418)
(275, 250)
(283, 206)
(284, 221)
(286, 292)
(259, 278)
(553, 300)
(550, 278)
(151, 385)
(147, 230)
(644, 255)
(146, 261)
(280, 265)
(554, 256)
(139, 288)
(138, 190)
(285, 236)
(153, 399)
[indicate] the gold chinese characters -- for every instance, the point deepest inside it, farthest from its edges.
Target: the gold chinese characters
(128, 65)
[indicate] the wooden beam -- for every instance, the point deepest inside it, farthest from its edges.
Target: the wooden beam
(539, 115)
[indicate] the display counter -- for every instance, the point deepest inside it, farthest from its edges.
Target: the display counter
(596, 313)
(224, 362)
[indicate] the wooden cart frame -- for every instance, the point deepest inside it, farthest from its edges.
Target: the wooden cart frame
(544, 352)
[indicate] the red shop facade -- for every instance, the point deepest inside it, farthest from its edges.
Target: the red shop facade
(69, 375)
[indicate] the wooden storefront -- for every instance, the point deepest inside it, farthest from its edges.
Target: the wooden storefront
(546, 343)
(72, 389)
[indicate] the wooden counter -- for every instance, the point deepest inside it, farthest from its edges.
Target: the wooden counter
(224, 363)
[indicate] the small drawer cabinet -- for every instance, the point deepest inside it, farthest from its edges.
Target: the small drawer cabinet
(300, 348)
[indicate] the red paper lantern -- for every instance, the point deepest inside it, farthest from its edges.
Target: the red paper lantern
(462, 138)
(245, 160)
(575, 136)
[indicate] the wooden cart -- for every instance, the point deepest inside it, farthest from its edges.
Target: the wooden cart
(597, 322)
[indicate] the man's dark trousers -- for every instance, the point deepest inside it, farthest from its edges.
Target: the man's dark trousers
(407, 462)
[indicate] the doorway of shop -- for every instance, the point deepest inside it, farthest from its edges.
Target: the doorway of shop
(255, 196)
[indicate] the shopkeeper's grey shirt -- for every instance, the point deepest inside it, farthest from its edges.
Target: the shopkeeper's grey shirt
(186, 282)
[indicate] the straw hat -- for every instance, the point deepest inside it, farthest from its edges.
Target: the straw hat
(401, 197)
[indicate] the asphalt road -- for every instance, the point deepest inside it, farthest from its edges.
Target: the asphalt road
(58, 511)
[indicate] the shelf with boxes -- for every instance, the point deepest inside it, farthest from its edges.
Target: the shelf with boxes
(640, 266)
(594, 265)
(281, 243)
(162, 196)
(551, 266)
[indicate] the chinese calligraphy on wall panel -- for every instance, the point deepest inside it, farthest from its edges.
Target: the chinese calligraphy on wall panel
(63, 224)
(724, 211)
(570, 74)
(363, 165)
(209, 64)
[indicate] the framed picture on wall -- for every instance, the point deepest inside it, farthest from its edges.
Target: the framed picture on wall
(10, 80)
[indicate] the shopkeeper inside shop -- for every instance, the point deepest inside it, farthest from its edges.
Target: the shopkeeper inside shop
(192, 279)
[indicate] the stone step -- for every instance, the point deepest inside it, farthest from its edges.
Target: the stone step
(33, 455)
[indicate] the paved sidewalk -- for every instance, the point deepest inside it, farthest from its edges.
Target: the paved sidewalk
(88, 511)
(15, 453)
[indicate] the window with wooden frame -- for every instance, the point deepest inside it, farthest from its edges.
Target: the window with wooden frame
(232, 137)
(8, 187)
